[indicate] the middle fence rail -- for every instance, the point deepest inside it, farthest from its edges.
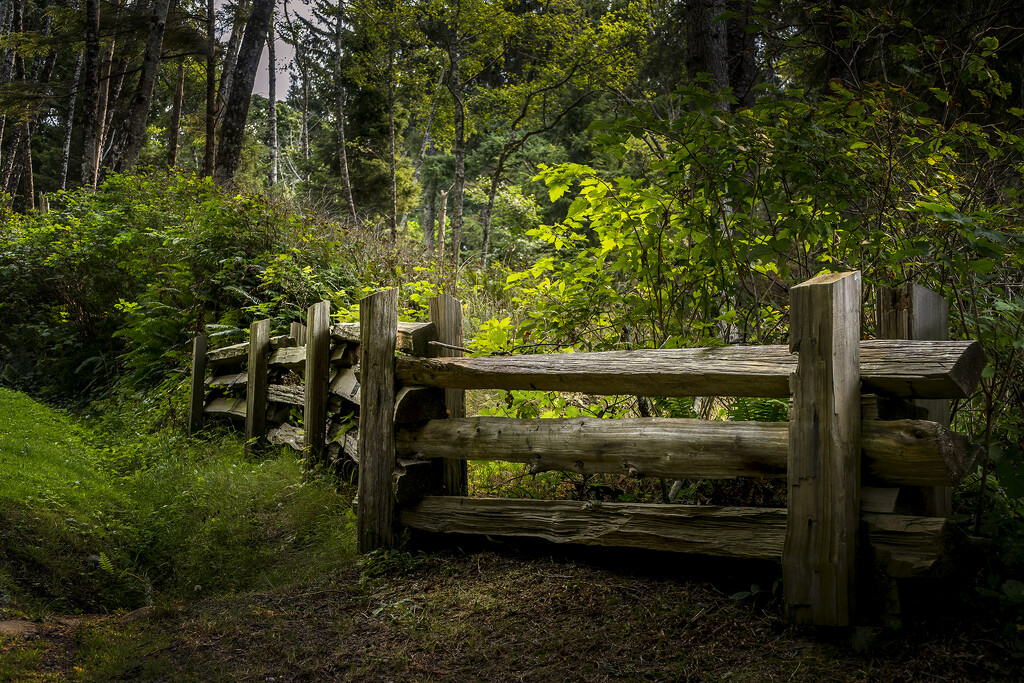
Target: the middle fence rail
(413, 441)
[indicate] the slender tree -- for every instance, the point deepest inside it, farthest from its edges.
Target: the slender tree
(90, 93)
(179, 97)
(272, 102)
(65, 158)
(138, 112)
(227, 73)
(7, 56)
(339, 112)
(211, 88)
(232, 131)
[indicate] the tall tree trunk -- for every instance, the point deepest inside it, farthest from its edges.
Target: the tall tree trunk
(6, 16)
(26, 156)
(106, 105)
(65, 158)
(302, 62)
(429, 208)
(272, 101)
(112, 78)
(393, 214)
(21, 151)
(232, 131)
(706, 44)
(841, 52)
(211, 88)
(138, 113)
(90, 92)
(227, 73)
(179, 96)
(339, 117)
(442, 218)
(12, 170)
(427, 141)
(742, 52)
(459, 187)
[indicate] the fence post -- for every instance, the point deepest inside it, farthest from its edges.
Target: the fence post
(823, 516)
(446, 314)
(318, 358)
(297, 332)
(197, 390)
(256, 385)
(916, 312)
(375, 513)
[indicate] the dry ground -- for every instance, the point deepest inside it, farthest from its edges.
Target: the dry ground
(511, 614)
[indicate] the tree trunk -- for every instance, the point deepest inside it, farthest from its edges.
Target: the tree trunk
(393, 217)
(211, 88)
(429, 208)
(90, 93)
(339, 116)
(427, 141)
(272, 101)
(105, 106)
(8, 56)
(232, 131)
(227, 73)
(17, 67)
(706, 44)
(66, 154)
(459, 187)
(303, 66)
(742, 52)
(442, 217)
(26, 156)
(842, 54)
(138, 113)
(21, 150)
(179, 96)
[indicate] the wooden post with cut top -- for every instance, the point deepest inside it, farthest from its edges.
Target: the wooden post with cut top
(318, 360)
(446, 314)
(256, 385)
(823, 517)
(375, 512)
(297, 332)
(915, 312)
(197, 390)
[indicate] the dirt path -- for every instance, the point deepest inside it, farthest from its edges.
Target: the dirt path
(491, 617)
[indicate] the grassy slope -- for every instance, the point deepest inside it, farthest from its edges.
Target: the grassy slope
(103, 521)
(58, 511)
(280, 598)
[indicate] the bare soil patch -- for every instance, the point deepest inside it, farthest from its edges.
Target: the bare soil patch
(504, 616)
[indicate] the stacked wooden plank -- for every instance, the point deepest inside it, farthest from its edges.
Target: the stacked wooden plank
(223, 378)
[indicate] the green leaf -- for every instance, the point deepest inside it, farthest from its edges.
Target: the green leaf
(982, 266)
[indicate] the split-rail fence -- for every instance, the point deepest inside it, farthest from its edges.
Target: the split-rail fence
(388, 396)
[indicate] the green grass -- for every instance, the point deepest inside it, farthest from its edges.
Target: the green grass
(119, 513)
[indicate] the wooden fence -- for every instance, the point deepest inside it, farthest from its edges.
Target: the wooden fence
(843, 454)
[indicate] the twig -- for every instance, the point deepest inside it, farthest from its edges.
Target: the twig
(450, 346)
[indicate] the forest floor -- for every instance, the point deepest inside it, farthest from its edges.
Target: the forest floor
(509, 613)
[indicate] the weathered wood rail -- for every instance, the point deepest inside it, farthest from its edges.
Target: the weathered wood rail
(402, 400)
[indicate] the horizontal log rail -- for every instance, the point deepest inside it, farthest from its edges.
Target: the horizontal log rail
(914, 452)
(236, 353)
(412, 337)
(907, 546)
(918, 369)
